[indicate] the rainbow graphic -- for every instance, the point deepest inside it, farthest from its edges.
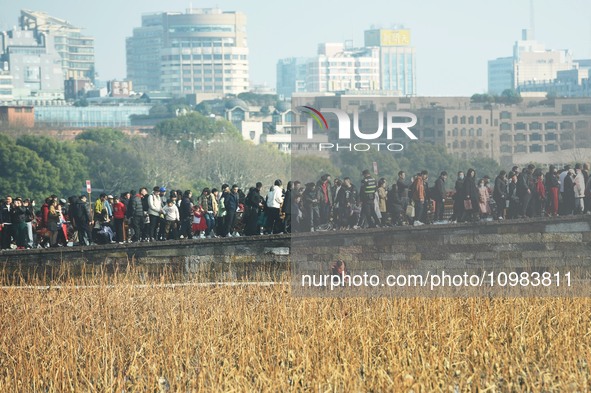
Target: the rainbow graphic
(316, 115)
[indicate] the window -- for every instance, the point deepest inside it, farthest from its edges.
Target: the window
(505, 138)
(479, 120)
(456, 144)
(535, 126)
(551, 136)
(479, 144)
(479, 132)
(471, 132)
(463, 132)
(505, 148)
(455, 132)
(463, 120)
(535, 137)
(505, 115)
(463, 144)
(535, 148)
(520, 149)
(471, 144)
(455, 120)
(505, 126)
(550, 125)
(566, 125)
(519, 138)
(551, 147)
(429, 133)
(520, 126)
(581, 124)
(471, 120)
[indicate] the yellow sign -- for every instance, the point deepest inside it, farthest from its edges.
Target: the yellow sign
(394, 37)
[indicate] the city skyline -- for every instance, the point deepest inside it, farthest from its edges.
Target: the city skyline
(467, 34)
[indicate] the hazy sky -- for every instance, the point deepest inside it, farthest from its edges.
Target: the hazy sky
(453, 38)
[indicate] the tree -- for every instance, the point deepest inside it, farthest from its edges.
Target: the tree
(71, 166)
(509, 97)
(194, 127)
(307, 168)
(102, 135)
(24, 173)
(227, 160)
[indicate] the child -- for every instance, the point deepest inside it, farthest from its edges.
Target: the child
(172, 217)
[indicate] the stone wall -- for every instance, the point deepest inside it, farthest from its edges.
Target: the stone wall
(534, 243)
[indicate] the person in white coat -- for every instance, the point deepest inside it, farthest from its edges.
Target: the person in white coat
(579, 190)
(274, 203)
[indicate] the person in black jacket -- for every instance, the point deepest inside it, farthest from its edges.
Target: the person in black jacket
(500, 194)
(512, 196)
(439, 193)
(470, 192)
(286, 207)
(6, 222)
(82, 221)
(231, 202)
(253, 206)
(458, 212)
(135, 212)
(186, 215)
(394, 205)
(19, 224)
(569, 193)
(525, 188)
(311, 209)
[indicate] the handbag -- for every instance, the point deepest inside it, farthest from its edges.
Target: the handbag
(410, 210)
(467, 204)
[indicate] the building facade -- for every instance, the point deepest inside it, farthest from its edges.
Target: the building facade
(291, 76)
(200, 51)
(339, 69)
(397, 59)
(89, 116)
(34, 65)
(75, 49)
(17, 116)
(531, 62)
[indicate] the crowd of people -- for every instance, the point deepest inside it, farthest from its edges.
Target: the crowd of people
(161, 215)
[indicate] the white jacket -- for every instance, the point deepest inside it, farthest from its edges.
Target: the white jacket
(275, 197)
(154, 205)
(579, 185)
(172, 213)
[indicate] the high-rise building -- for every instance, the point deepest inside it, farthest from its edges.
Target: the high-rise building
(339, 69)
(397, 59)
(385, 65)
(531, 63)
(75, 49)
(33, 64)
(291, 76)
(201, 51)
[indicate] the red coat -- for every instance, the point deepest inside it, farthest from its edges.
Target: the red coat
(119, 210)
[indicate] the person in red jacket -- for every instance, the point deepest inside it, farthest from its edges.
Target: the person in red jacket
(119, 211)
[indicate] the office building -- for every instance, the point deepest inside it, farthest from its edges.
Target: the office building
(75, 49)
(397, 59)
(202, 51)
(30, 58)
(291, 76)
(531, 63)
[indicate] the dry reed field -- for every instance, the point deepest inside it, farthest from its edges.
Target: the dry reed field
(130, 338)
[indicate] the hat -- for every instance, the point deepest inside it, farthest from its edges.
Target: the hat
(110, 196)
(63, 201)
(162, 189)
